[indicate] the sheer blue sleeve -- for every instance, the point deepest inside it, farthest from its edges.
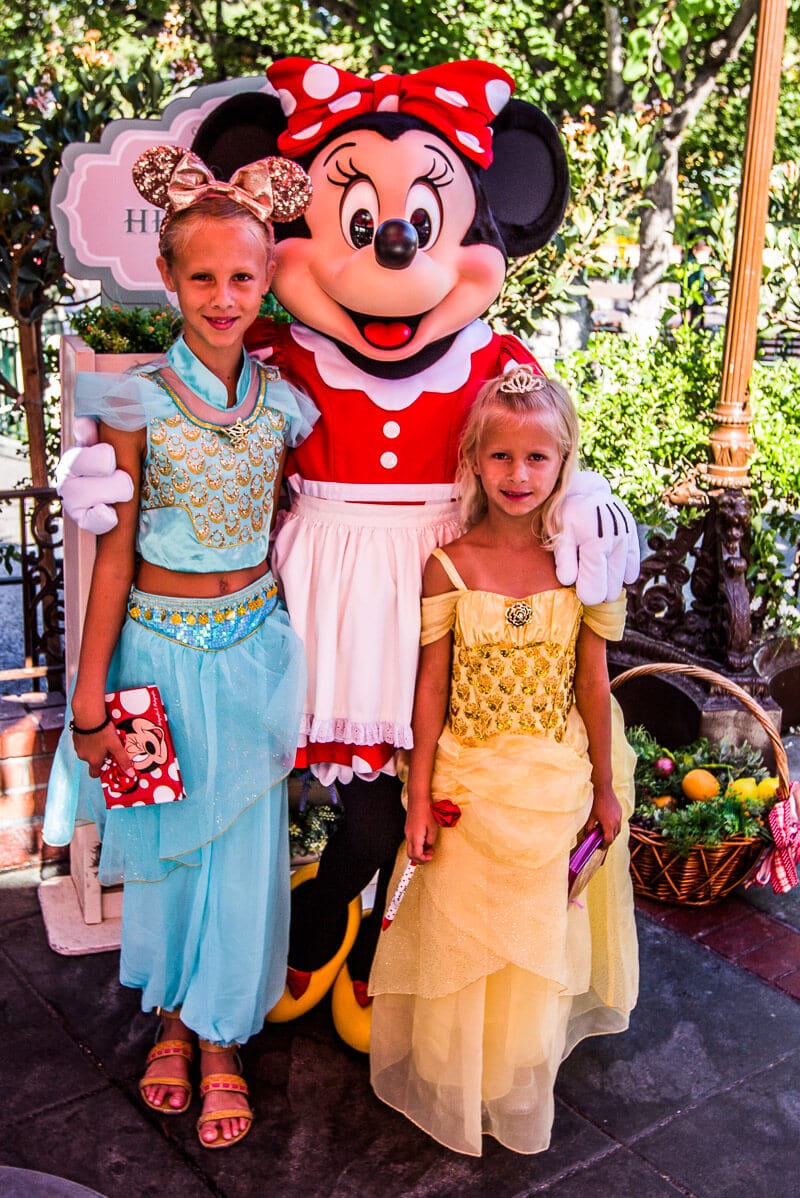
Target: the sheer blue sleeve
(124, 401)
(301, 414)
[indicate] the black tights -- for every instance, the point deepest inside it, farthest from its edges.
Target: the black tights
(365, 841)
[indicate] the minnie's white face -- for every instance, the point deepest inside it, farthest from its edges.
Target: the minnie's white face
(339, 281)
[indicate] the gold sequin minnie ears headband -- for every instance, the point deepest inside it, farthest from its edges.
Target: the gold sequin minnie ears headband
(521, 379)
(173, 178)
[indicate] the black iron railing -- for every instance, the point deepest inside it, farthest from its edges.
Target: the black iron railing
(37, 567)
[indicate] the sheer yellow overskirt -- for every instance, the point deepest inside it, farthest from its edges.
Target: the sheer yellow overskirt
(488, 977)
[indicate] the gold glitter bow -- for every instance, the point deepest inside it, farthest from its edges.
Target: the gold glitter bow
(174, 178)
(250, 186)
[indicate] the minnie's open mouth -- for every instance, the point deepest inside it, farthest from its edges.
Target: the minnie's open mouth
(388, 333)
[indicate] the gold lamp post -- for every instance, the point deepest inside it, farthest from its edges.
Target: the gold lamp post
(727, 474)
(717, 630)
(730, 441)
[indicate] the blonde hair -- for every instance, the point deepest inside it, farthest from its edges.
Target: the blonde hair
(177, 227)
(521, 391)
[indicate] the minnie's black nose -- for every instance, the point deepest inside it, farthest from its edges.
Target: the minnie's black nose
(396, 244)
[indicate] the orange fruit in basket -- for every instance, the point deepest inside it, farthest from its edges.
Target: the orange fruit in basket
(699, 784)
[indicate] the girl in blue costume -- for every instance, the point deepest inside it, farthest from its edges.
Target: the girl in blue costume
(182, 596)
(488, 976)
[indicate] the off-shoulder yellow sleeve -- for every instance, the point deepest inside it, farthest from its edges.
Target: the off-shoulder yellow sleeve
(607, 619)
(438, 614)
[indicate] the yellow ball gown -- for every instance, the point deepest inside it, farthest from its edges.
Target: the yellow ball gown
(488, 977)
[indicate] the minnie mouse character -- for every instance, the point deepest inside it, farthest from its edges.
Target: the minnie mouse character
(423, 186)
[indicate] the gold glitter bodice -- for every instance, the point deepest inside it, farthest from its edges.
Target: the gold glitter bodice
(221, 476)
(513, 664)
(513, 659)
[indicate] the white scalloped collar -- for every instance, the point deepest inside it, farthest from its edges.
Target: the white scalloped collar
(394, 395)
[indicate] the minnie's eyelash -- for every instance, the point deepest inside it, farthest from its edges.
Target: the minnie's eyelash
(437, 178)
(443, 179)
(346, 176)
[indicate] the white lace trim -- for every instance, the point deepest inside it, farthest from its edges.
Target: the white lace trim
(351, 732)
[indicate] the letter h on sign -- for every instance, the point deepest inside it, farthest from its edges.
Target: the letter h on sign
(142, 220)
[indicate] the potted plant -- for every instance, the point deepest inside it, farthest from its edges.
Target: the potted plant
(113, 329)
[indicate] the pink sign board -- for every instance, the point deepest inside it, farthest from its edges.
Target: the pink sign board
(105, 229)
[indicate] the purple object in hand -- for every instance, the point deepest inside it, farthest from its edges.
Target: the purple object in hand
(585, 860)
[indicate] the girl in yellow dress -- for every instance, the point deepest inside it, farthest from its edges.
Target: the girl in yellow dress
(488, 976)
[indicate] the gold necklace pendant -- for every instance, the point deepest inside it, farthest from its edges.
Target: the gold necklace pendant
(237, 435)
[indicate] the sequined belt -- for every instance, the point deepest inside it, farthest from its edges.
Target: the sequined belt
(210, 624)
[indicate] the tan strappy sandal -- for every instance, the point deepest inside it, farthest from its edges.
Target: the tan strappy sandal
(161, 1051)
(233, 1083)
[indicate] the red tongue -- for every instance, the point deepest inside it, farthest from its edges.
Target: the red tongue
(389, 335)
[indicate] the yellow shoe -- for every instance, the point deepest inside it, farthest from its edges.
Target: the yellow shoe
(351, 1020)
(320, 981)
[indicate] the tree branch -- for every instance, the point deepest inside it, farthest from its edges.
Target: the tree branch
(720, 49)
(8, 388)
(614, 89)
(559, 19)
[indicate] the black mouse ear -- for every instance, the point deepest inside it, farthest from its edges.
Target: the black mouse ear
(527, 185)
(239, 130)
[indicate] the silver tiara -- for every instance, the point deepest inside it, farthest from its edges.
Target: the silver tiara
(520, 379)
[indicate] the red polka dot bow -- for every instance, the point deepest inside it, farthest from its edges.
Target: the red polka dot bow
(459, 99)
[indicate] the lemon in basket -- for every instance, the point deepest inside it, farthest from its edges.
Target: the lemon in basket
(744, 789)
(699, 784)
(767, 788)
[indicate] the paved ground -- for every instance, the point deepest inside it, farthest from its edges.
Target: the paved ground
(700, 1099)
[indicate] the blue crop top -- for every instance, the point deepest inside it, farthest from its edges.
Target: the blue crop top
(209, 471)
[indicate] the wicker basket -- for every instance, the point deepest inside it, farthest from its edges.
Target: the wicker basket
(706, 874)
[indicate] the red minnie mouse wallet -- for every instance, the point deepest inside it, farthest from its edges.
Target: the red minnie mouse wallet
(140, 720)
(585, 860)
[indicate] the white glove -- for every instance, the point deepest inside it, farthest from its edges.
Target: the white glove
(88, 481)
(598, 549)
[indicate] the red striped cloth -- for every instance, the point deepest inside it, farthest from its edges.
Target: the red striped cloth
(778, 866)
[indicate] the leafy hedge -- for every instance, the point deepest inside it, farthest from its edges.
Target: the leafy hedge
(645, 421)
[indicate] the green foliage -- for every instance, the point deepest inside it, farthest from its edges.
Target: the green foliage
(276, 311)
(712, 822)
(611, 162)
(654, 399)
(662, 806)
(311, 828)
(780, 281)
(774, 573)
(116, 330)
